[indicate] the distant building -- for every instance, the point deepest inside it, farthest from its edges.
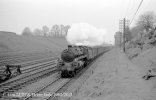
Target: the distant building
(118, 38)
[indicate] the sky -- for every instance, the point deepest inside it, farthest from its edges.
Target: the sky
(15, 15)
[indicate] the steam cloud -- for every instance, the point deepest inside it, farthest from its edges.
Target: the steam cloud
(85, 34)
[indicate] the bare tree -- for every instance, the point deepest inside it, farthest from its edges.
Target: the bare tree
(27, 31)
(62, 31)
(147, 21)
(45, 30)
(55, 29)
(67, 27)
(38, 32)
(59, 30)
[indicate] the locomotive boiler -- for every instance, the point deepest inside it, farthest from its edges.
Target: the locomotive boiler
(75, 58)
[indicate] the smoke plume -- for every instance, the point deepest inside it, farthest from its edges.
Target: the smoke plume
(85, 34)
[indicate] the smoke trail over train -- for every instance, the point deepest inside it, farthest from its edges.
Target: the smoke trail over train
(85, 34)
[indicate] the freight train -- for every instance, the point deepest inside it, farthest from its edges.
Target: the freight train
(75, 58)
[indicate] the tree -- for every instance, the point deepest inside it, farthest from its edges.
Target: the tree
(27, 31)
(51, 33)
(67, 28)
(55, 29)
(45, 30)
(62, 31)
(38, 32)
(59, 30)
(136, 30)
(147, 20)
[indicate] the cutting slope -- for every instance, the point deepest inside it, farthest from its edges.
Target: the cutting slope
(11, 42)
(146, 60)
(115, 78)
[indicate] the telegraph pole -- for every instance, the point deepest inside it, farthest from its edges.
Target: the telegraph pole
(124, 34)
(122, 28)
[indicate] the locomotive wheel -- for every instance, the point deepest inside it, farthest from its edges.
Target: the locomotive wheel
(68, 74)
(71, 74)
(75, 72)
(86, 63)
(65, 74)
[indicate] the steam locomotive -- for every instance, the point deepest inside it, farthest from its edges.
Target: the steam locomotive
(75, 58)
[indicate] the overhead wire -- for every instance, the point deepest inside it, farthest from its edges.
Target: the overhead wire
(136, 12)
(129, 9)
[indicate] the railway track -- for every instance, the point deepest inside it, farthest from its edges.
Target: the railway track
(48, 90)
(59, 90)
(32, 69)
(39, 66)
(14, 85)
(19, 55)
(44, 66)
(34, 62)
(23, 59)
(31, 66)
(51, 89)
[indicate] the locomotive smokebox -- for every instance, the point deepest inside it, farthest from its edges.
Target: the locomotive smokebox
(67, 55)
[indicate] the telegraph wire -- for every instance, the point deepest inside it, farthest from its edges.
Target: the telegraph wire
(136, 12)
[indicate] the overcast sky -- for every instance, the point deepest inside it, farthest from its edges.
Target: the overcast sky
(15, 15)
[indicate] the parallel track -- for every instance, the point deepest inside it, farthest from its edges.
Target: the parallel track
(50, 88)
(21, 82)
(22, 59)
(55, 86)
(19, 55)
